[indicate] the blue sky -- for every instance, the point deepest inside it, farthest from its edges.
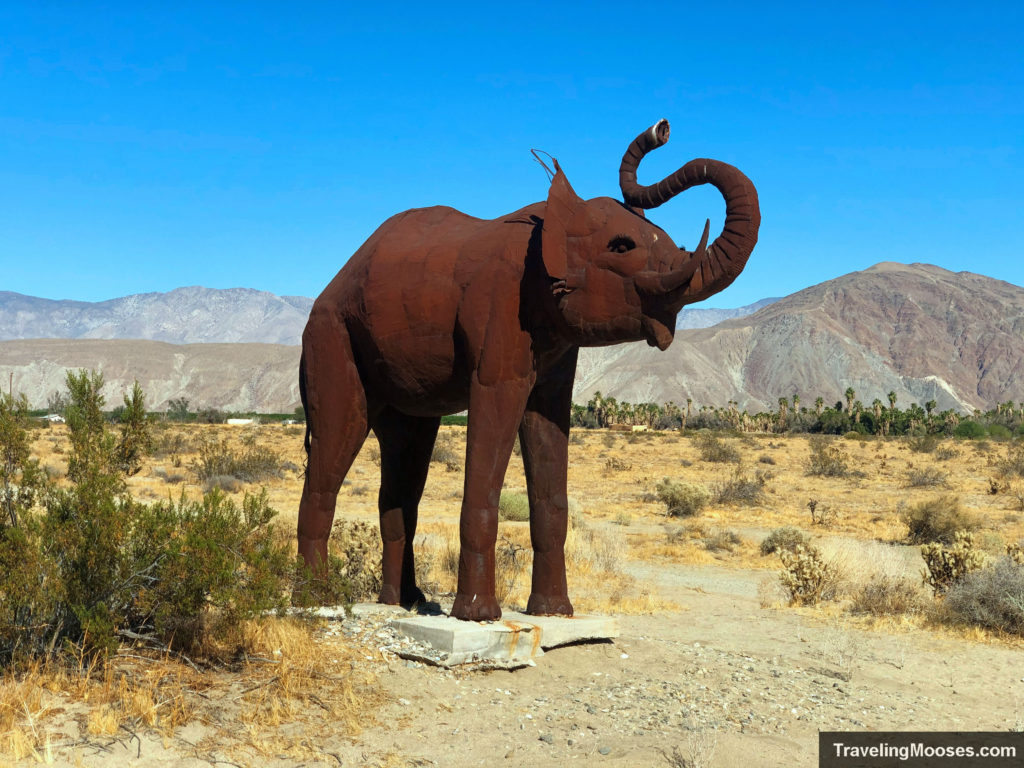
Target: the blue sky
(258, 145)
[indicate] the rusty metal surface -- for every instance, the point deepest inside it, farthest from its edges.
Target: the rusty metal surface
(440, 312)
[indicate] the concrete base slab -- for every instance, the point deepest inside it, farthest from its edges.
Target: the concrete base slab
(509, 643)
(516, 640)
(561, 630)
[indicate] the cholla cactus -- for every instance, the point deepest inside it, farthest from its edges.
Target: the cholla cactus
(805, 574)
(944, 565)
(1016, 552)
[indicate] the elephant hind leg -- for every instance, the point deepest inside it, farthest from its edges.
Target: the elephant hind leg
(336, 427)
(406, 443)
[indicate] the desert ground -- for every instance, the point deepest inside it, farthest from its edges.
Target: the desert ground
(714, 665)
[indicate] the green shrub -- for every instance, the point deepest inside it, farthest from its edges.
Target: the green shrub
(681, 499)
(970, 430)
(514, 506)
(947, 564)
(251, 464)
(135, 441)
(937, 519)
(990, 597)
(999, 432)
(787, 538)
(86, 563)
(22, 480)
(827, 459)
(714, 449)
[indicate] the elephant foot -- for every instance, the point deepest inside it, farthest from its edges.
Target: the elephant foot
(480, 609)
(412, 595)
(549, 605)
(408, 597)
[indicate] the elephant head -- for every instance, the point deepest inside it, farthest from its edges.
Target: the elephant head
(619, 277)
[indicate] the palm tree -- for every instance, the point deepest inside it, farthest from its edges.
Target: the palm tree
(892, 401)
(819, 404)
(783, 409)
(850, 394)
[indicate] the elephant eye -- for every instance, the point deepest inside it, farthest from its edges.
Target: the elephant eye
(621, 244)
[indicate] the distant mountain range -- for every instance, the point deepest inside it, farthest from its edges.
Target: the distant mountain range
(197, 315)
(193, 315)
(919, 330)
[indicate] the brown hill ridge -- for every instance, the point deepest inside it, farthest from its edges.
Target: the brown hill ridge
(919, 330)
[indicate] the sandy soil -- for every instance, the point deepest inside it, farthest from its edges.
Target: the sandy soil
(721, 681)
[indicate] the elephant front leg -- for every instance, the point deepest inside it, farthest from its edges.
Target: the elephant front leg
(494, 414)
(544, 438)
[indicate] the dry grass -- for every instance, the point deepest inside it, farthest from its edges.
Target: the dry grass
(305, 684)
(288, 686)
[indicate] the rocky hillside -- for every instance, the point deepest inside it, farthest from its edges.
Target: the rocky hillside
(183, 316)
(705, 317)
(231, 377)
(919, 330)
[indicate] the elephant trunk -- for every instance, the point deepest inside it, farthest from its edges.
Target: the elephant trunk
(708, 269)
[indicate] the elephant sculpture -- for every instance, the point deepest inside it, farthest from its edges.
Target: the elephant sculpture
(439, 312)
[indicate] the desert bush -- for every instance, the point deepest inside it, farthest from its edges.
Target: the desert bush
(821, 514)
(924, 443)
(356, 550)
(595, 550)
(1012, 465)
(946, 452)
(990, 597)
(889, 595)
(682, 499)
(827, 459)
(87, 563)
(741, 489)
(805, 575)
(616, 464)
(714, 449)
(925, 477)
(970, 430)
(511, 559)
(22, 480)
(787, 538)
(937, 519)
(999, 432)
(228, 483)
(513, 506)
(764, 458)
(947, 564)
(1016, 552)
(250, 464)
(722, 541)
(136, 440)
(446, 453)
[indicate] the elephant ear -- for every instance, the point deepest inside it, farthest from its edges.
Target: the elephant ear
(563, 206)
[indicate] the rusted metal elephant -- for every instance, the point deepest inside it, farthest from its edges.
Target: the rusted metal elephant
(439, 312)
